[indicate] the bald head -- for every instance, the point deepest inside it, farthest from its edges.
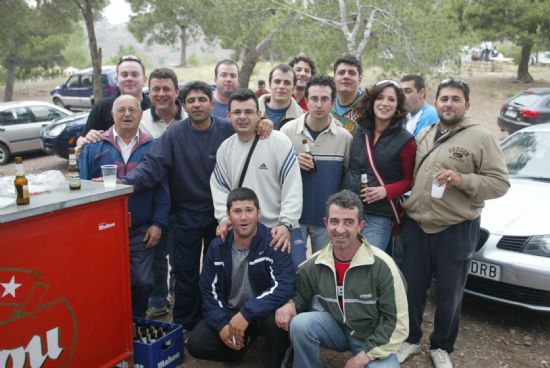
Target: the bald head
(126, 115)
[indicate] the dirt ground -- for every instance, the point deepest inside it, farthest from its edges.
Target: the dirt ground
(492, 335)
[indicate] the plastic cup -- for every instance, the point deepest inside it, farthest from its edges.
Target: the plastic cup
(437, 188)
(109, 176)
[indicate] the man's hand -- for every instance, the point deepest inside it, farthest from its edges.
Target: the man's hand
(223, 228)
(305, 161)
(91, 137)
(237, 325)
(358, 361)
(152, 236)
(229, 340)
(284, 315)
(449, 177)
(281, 238)
(264, 128)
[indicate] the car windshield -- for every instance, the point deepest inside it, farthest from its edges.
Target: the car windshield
(527, 154)
(526, 99)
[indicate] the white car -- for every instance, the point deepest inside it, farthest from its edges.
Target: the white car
(512, 263)
(20, 125)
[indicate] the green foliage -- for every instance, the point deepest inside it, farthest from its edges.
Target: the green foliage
(76, 52)
(193, 60)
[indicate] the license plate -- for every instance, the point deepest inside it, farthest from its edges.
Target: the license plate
(486, 270)
(511, 113)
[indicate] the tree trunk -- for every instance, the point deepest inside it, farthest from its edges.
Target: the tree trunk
(183, 50)
(523, 66)
(11, 65)
(95, 52)
(250, 59)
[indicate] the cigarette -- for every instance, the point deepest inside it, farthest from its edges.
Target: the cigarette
(233, 339)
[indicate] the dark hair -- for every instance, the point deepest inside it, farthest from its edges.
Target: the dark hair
(306, 60)
(225, 62)
(242, 194)
(365, 106)
(457, 83)
(261, 81)
(199, 86)
(322, 80)
(418, 81)
(349, 59)
(243, 94)
(130, 58)
(285, 68)
(348, 200)
(164, 73)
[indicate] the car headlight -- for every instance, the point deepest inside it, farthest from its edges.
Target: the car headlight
(56, 130)
(538, 245)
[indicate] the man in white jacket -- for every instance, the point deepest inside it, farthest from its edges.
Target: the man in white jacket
(273, 173)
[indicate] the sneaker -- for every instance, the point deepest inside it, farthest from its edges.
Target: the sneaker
(441, 358)
(406, 350)
(154, 312)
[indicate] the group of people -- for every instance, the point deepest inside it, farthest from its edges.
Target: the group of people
(245, 180)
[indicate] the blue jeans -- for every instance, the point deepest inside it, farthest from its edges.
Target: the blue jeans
(311, 330)
(377, 230)
(318, 235)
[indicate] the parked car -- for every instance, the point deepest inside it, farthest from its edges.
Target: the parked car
(512, 261)
(541, 57)
(77, 92)
(61, 134)
(527, 108)
(20, 125)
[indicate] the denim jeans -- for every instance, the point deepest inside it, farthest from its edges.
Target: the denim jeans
(377, 230)
(318, 235)
(159, 296)
(311, 330)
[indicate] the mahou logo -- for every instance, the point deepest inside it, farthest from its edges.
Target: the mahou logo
(34, 330)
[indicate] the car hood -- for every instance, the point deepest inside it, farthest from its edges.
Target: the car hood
(72, 119)
(522, 211)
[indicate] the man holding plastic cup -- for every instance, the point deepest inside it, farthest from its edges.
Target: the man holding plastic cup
(459, 165)
(125, 146)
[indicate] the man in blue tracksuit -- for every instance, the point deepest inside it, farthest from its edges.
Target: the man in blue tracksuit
(124, 145)
(243, 281)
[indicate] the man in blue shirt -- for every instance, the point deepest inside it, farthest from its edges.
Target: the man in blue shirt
(422, 114)
(226, 77)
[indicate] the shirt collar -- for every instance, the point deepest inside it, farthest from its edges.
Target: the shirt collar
(118, 137)
(176, 118)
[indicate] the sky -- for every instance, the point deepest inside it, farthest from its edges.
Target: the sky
(118, 11)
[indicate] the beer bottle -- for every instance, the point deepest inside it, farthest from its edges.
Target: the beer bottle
(73, 173)
(308, 151)
(21, 183)
(364, 179)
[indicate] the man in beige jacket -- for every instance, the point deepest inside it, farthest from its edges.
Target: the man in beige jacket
(440, 234)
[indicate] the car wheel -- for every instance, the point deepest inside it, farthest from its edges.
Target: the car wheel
(58, 102)
(4, 154)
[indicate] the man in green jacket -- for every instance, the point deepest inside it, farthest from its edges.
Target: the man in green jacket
(364, 311)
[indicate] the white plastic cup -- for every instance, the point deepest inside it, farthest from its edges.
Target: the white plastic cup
(437, 188)
(109, 176)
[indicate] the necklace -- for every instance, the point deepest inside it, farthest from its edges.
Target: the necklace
(443, 131)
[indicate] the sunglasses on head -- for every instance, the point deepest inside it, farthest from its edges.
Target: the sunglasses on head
(129, 58)
(453, 82)
(388, 81)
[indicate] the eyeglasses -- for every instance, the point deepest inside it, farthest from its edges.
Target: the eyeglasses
(247, 112)
(388, 81)
(315, 99)
(453, 82)
(129, 58)
(123, 110)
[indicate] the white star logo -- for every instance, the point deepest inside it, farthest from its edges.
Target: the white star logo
(9, 288)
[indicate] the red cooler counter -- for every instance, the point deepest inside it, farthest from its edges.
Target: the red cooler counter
(65, 280)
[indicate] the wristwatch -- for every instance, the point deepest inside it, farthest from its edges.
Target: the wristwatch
(287, 225)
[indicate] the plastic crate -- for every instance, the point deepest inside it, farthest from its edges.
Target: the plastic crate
(166, 352)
